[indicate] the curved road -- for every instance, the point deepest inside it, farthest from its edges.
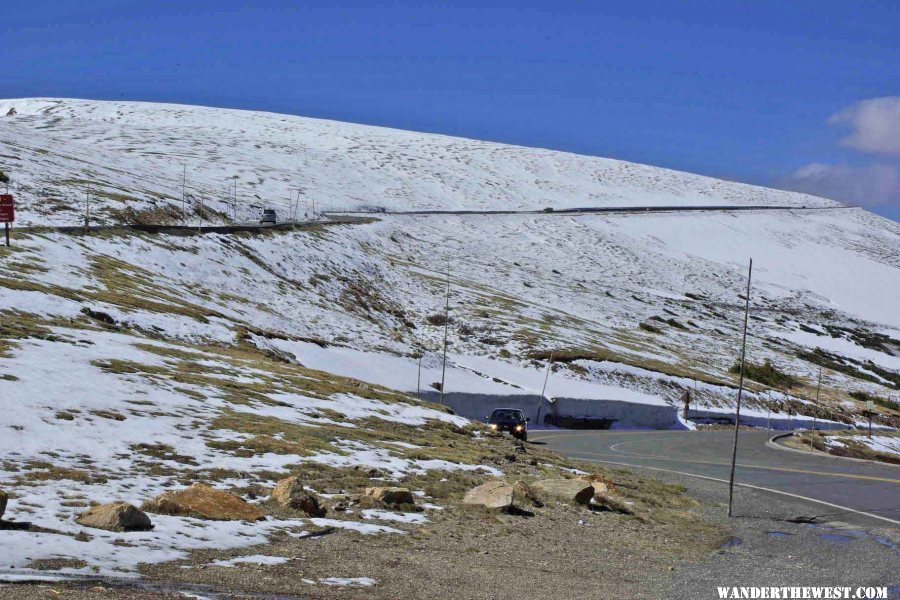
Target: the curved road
(864, 490)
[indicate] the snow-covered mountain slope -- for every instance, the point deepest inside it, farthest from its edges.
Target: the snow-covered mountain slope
(130, 154)
(193, 340)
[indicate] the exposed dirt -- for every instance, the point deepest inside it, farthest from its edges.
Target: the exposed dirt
(563, 550)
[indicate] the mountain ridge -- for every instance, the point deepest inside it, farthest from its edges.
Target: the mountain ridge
(340, 165)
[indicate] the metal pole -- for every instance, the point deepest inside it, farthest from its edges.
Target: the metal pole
(419, 380)
(816, 405)
(183, 207)
(737, 414)
(446, 326)
(543, 390)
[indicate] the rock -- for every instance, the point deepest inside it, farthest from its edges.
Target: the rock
(290, 493)
(391, 495)
(117, 516)
(611, 503)
(569, 490)
(601, 488)
(203, 502)
(501, 495)
(4, 498)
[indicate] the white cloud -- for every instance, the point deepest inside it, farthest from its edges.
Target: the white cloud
(871, 185)
(875, 125)
(874, 128)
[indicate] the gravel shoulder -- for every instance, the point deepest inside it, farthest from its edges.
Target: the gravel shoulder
(461, 551)
(684, 548)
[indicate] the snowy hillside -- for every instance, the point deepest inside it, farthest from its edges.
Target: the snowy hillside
(130, 154)
(132, 362)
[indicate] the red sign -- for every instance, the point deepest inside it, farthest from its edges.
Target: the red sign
(7, 208)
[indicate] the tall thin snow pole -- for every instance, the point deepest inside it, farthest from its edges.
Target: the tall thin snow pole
(543, 390)
(446, 329)
(419, 380)
(818, 387)
(297, 204)
(183, 206)
(737, 414)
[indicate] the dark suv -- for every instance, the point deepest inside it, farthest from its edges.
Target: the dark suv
(509, 419)
(268, 216)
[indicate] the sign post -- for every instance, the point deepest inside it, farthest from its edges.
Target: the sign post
(7, 212)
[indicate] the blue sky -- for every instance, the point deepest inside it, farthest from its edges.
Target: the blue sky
(742, 90)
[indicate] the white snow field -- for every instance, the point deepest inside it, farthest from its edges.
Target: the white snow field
(134, 154)
(132, 363)
(885, 444)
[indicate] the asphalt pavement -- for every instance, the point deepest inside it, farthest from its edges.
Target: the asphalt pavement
(854, 491)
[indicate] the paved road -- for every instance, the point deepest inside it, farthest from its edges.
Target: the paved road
(202, 229)
(588, 210)
(854, 489)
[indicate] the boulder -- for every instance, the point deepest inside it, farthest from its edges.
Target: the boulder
(290, 493)
(203, 502)
(117, 516)
(4, 498)
(391, 495)
(611, 503)
(568, 490)
(601, 488)
(501, 495)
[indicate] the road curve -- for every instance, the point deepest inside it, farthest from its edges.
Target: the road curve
(871, 491)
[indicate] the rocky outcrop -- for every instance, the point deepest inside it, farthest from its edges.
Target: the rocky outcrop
(117, 516)
(600, 488)
(290, 493)
(567, 490)
(203, 502)
(502, 495)
(4, 498)
(391, 496)
(604, 495)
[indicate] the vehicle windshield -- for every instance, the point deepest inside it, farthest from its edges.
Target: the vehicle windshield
(507, 414)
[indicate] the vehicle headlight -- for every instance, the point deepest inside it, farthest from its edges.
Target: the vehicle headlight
(493, 426)
(518, 428)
